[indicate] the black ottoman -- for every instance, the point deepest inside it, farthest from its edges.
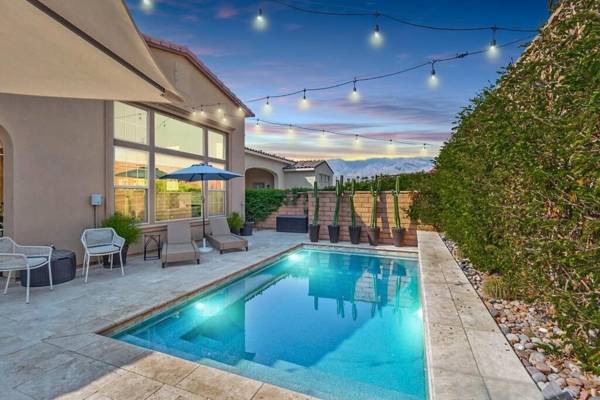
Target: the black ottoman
(63, 270)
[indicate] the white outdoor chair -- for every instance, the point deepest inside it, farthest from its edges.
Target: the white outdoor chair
(101, 242)
(14, 257)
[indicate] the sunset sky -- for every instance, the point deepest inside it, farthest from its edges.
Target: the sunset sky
(299, 50)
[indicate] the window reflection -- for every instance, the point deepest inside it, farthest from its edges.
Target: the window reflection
(216, 145)
(131, 182)
(176, 199)
(177, 135)
(131, 123)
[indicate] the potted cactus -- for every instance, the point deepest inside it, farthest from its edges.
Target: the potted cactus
(373, 231)
(397, 230)
(313, 229)
(353, 229)
(334, 228)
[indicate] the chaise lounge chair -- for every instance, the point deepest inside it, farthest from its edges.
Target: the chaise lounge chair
(179, 245)
(221, 237)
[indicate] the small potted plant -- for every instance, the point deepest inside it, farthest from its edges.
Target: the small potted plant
(353, 229)
(398, 230)
(126, 226)
(334, 228)
(313, 229)
(247, 228)
(373, 231)
(235, 223)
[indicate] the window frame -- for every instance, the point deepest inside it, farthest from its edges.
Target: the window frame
(153, 150)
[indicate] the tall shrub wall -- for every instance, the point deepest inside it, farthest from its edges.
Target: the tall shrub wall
(518, 184)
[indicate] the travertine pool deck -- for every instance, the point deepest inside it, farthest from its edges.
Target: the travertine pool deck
(49, 348)
(467, 355)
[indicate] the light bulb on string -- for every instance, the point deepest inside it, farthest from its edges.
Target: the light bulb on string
(147, 5)
(304, 102)
(354, 96)
(240, 112)
(493, 49)
(376, 37)
(193, 112)
(390, 146)
(356, 141)
(202, 113)
(219, 109)
(225, 120)
(267, 107)
(424, 148)
(433, 80)
(260, 22)
(258, 127)
(290, 131)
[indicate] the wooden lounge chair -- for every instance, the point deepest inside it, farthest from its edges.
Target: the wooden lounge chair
(221, 237)
(179, 245)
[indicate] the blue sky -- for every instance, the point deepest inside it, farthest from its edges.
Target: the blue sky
(300, 50)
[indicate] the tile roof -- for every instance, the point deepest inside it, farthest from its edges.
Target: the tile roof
(305, 164)
(187, 53)
(271, 155)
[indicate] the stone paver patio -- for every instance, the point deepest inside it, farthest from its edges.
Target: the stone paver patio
(49, 348)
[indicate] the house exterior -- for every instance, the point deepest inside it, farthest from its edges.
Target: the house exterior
(57, 152)
(265, 170)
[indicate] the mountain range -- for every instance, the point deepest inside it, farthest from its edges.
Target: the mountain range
(380, 166)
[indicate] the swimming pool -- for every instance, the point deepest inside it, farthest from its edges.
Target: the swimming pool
(334, 325)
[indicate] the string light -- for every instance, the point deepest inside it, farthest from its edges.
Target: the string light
(304, 103)
(376, 37)
(354, 96)
(324, 132)
(493, 49)
(290, 130)
(397, 20)
(147, 5)
(433, 81)
(219, 109)
(424, 64)
(267, 108)
(202, 113)
(260, 22)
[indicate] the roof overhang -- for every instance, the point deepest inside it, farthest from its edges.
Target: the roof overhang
(85, 49)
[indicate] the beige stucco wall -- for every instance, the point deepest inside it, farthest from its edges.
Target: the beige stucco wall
(196, 89)
(306, 178)
(60, 152)
(58, 161)
(267, 164)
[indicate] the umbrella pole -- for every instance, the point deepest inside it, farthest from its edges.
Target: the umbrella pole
(204, 248)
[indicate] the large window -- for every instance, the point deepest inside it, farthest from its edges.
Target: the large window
(177, 135)
(144, 152)
(131, 123)
(131, 182)
(176, 199)
(216, 145)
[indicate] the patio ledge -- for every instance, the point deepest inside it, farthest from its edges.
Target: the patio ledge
(468, 357)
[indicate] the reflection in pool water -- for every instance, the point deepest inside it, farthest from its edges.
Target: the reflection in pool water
(332, 325)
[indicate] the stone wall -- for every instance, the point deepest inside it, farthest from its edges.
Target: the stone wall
(297, 207)
(362, 204)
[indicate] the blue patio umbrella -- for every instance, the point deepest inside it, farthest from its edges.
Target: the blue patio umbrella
(201, 172)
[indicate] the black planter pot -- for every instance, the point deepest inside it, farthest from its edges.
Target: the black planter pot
(116, 261)
(373, 235)
(247, 229)
(354, 234)
(334, 233)
(313, 232)
(235, 231)
(397, 236)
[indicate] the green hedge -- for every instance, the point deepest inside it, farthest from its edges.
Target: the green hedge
(518, 184)
(260, 203)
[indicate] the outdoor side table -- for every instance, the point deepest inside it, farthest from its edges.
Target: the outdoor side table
(63, 265)
(149, 240)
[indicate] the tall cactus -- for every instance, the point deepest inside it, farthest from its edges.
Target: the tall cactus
(352, 209)
(395, 193)
(339, 193)
(316, 197)
(375, 189)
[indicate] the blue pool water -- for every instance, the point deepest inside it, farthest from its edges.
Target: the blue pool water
(328, 324)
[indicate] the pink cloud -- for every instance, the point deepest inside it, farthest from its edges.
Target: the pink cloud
(226, 11)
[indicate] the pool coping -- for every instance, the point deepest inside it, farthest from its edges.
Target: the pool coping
(467, 356)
